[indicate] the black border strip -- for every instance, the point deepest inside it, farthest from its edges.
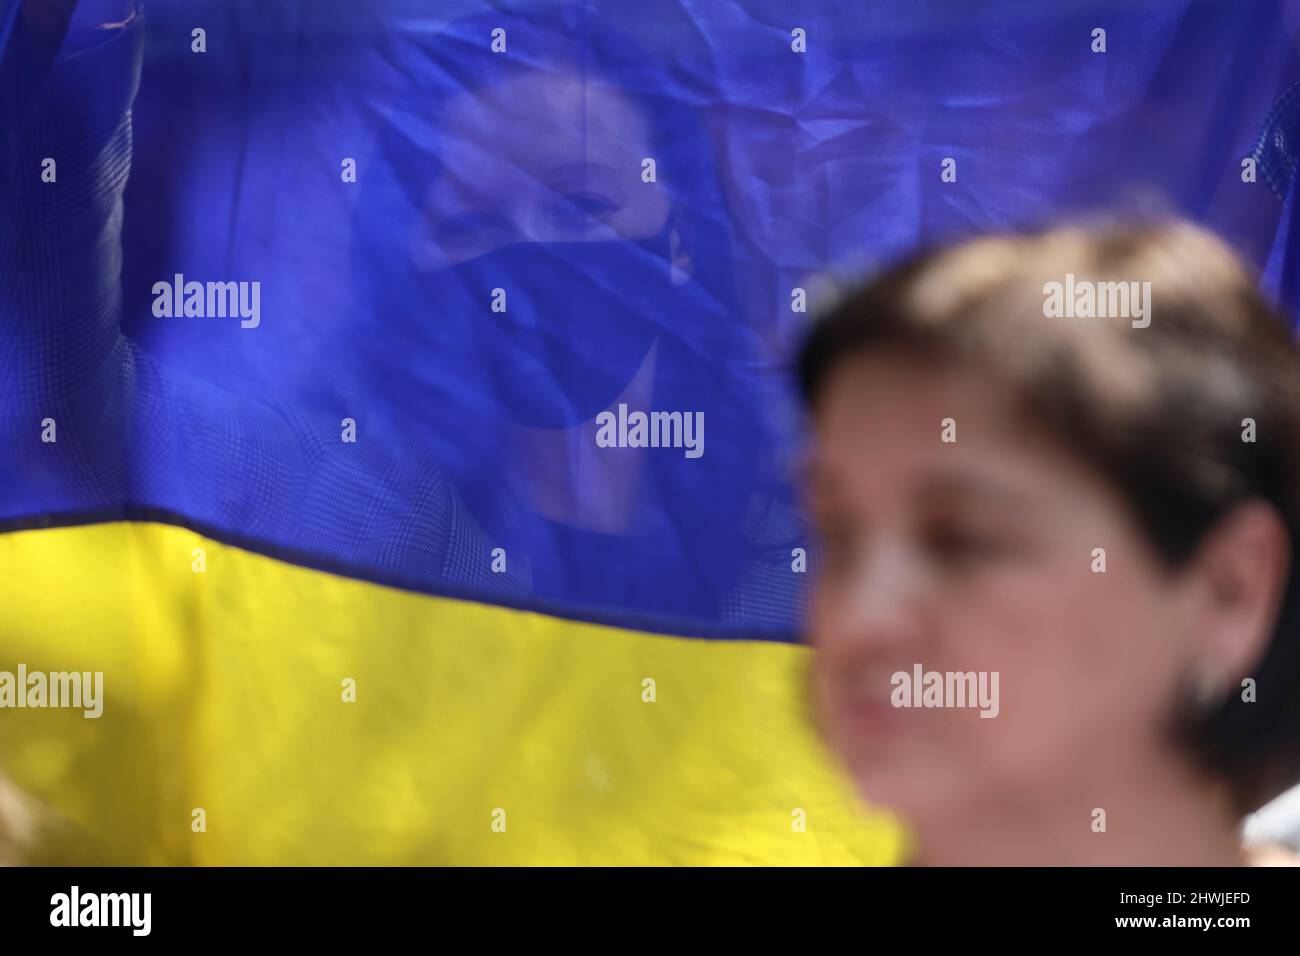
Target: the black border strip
(664, 625)
(957, 909)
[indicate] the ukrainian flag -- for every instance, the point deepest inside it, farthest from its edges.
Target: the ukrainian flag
(393, 423)
(410, 500)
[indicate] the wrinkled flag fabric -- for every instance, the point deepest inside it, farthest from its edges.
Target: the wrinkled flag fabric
(393, 397)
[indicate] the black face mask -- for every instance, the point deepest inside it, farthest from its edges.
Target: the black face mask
(580, 318)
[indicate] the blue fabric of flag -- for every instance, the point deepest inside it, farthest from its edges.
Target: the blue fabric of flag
(559, 210)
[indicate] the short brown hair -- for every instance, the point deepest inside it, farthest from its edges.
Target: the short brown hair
(1158, 411)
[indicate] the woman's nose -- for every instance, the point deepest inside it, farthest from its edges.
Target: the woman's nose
(882, 605)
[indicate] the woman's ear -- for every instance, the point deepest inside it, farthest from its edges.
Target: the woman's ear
(1244, 564)
(681, 243)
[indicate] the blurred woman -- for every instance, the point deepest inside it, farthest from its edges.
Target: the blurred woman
(1095, 519)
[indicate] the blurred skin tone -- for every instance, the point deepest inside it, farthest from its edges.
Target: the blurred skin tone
(976, 556)
(552, 158)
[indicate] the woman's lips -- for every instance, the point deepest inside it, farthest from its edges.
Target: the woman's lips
(869, 714)
(862, 703)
